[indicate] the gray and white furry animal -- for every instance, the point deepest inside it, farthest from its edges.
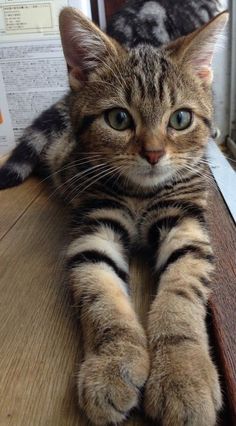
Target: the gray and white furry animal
(153, 22)
(159, 21)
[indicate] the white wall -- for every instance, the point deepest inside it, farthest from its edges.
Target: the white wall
(221, 84)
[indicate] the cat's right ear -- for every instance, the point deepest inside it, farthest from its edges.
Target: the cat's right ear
(197, 48)
(85, 46)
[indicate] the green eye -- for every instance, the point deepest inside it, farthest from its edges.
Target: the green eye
(180, 119)
(119, 119)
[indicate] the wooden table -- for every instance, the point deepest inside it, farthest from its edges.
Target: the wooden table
(39, 333)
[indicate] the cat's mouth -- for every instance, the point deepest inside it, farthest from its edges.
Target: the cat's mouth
(151, 170)
(149, 175)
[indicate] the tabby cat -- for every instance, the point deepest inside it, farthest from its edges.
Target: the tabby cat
(126, 147)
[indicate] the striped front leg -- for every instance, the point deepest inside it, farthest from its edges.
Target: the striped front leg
(183, 386)
(116, 363)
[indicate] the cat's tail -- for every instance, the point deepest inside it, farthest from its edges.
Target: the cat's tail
(32, 145)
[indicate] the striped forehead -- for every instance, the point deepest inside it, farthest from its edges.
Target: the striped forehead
(150, 73)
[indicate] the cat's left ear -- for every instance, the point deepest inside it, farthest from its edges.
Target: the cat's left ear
(85, 46)
(196, 49)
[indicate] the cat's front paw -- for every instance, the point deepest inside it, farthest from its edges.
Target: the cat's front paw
(183, 387)
(109, 384)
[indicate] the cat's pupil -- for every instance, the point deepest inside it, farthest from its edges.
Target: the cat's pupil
(118, 119)
(121, 117)
(179, 118)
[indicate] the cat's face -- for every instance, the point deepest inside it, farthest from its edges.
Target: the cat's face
(145, 112)
(149, 118)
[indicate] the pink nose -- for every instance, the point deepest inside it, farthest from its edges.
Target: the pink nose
(153, 156)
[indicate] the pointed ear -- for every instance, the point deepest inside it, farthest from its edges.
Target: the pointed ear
(85, 46)
(196, 49)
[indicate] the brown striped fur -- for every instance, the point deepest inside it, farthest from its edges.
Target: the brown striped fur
(161, 209)
(121, 203)
(182, 387)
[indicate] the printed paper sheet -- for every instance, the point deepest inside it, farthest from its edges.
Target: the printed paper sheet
(33, 73)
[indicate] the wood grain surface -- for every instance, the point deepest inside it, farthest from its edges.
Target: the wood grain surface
(223, 300)
(39, 332)
(15, 202)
